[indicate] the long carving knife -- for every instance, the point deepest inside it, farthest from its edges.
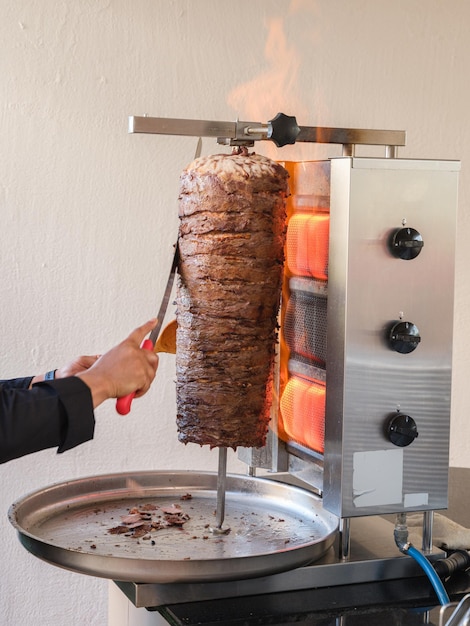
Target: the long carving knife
(123, 404)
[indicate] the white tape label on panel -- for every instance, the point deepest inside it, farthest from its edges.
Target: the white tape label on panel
(415, 500)
(377, 477)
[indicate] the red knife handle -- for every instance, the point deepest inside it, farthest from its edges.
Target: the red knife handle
(123, 404)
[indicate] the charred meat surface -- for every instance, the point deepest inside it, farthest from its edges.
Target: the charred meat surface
(231, 240)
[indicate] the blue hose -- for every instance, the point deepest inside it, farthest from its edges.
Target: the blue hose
(430, 572)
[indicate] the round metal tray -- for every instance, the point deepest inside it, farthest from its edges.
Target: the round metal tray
(274, 527)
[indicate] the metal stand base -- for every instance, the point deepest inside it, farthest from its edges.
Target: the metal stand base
(373, 557)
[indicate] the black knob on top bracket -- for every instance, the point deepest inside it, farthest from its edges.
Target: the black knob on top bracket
(406, 243)
(283, 129)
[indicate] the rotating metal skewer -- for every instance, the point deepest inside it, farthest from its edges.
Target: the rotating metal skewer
(218, 529)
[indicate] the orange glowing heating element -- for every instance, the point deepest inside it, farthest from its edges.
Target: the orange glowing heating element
(307, 245)
(303, 334)
(303, 412)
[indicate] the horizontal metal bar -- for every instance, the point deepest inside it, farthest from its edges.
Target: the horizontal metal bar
(323, 134)
(190, 128)
(255, 131)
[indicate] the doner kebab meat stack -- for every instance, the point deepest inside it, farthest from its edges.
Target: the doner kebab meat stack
(231, 240)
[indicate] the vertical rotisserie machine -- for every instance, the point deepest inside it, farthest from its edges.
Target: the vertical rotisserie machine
(364, 383)
(361, 418)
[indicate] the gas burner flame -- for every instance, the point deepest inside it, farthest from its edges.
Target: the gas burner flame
(277, 86)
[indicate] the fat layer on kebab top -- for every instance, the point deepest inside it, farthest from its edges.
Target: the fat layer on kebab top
(228, 170)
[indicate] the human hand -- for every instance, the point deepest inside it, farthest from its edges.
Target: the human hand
(80, 364)
(124, 369)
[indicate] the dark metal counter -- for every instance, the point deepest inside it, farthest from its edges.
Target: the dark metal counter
(367, 604)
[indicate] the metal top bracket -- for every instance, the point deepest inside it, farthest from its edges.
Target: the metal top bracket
(282, 130)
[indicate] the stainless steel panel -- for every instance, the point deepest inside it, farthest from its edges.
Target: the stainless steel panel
(368, 289)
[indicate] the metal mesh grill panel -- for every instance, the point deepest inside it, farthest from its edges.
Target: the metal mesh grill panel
(305, 326)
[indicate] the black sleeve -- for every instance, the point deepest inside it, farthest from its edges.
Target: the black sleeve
(16, 383)
(53, 413)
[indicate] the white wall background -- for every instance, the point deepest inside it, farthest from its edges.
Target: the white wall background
(88, 213)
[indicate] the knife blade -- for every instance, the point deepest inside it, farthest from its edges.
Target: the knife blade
(165, 300)
(123, 404)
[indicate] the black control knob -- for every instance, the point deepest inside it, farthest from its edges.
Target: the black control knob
(283, 129)
(406, 243)
(404, 337)
(401, 429)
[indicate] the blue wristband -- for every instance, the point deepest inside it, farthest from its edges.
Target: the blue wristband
(50, 375)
